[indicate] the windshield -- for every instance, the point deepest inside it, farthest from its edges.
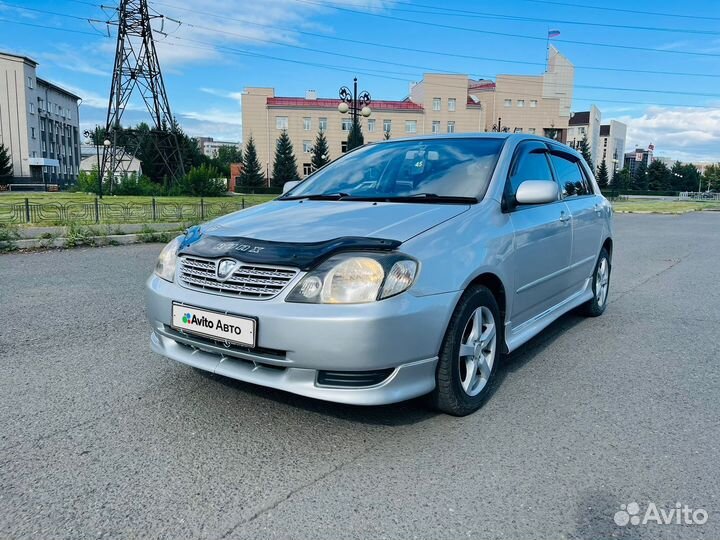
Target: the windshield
(419, 169)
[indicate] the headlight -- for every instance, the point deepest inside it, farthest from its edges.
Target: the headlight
(355, 278)
(165, 265)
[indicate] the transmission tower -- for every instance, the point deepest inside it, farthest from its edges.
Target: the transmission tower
(137, 70)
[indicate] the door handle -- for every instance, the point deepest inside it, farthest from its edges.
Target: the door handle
(564, 218)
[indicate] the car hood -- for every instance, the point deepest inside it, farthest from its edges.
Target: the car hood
(317, 221)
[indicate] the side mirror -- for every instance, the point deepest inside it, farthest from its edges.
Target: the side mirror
(537, 192)
(287, 186)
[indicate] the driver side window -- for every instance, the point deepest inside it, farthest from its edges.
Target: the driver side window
(531, 164)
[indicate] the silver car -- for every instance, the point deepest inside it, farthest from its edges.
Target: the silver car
(404, 268)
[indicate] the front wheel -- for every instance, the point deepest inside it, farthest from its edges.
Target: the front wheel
(469, 354)
(600, 286)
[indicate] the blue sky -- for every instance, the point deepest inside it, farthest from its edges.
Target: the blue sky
(223, 46)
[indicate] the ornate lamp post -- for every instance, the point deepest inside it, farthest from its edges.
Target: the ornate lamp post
(355, 103)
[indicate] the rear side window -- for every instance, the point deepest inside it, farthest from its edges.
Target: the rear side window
(572, 181)
(532, 164)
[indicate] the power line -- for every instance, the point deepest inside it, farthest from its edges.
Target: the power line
(504, 34)
(622, 10)
(51, 27)
(485, 15)
(241, 52)
(433, 52)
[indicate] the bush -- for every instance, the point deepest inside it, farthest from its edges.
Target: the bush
(203, 181)
(8, 235)
(142, 185)
(77, 235)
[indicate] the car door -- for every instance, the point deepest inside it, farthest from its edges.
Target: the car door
(577, 193)
(542, 238)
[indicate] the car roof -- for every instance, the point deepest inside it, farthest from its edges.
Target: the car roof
(509, 137)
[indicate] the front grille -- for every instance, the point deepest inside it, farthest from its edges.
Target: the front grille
(353, 379)
(251, 281)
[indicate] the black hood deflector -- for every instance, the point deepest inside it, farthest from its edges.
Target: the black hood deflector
(305, 255)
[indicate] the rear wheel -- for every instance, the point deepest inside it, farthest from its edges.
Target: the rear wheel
(469, 354)
(600, 286)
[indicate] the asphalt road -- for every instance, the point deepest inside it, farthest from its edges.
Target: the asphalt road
(99, 437)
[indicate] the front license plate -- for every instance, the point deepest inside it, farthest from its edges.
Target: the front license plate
(229, 328)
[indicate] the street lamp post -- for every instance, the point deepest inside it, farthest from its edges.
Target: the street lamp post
(94, 138)
(358, 104)
(614, 178)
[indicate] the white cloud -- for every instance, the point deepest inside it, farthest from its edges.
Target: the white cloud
(688, 134)
(214, 115)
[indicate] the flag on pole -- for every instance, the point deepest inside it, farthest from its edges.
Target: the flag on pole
(553, 33)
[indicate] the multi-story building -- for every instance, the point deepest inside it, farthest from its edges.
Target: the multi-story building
(39, 124)
(586, 125)
(210, 146)
(437, 104)
(612, 146)
(633, 159)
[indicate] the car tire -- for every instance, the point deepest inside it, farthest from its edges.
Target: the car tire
(459, 390)
(600, 286)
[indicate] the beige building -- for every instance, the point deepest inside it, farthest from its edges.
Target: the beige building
(437, 104)
(39, 124)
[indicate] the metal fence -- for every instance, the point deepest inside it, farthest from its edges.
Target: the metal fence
(100, 211)
(698, 196)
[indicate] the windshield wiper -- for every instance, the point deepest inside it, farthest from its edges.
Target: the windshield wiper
(318, 197)
(430, 198)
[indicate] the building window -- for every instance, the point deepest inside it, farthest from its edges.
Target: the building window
(533, 103)
(436, 103)
(346, 124)
(32, 132)
(343, 146)
(581, 130)
(531, 131)
(32, 108)
(410, 126)
(371, 125)
(452, 104)
(44, 147)
(307, 124)
(323, 123)
(451, 127)
(387, 126)
(31, 83)
(520, 102)
(435, 127)
(307, 147)
(281, 122)
(41, 104)
(307, 169)
(507, 103)
(517, 130)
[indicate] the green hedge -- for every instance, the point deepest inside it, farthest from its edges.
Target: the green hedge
(258, 190)
(610, 192)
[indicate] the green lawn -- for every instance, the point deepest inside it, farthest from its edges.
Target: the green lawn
(63, 208)
(659, 206)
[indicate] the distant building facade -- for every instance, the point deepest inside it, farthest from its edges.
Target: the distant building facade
(640, 155)
(437, 104)
(39, 124)
(586, 124)
(210, 146)
(612, 146)
(127, 164)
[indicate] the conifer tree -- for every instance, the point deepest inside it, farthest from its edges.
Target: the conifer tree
(285, 166)
(251, 175)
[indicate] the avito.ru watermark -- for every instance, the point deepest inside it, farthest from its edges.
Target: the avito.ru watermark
(680, 514)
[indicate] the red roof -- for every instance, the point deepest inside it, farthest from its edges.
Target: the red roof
(333, 103)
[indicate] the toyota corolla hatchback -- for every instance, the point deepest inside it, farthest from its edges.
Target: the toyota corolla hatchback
(404, 268)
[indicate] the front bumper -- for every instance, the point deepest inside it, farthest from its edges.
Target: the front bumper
(296, 341)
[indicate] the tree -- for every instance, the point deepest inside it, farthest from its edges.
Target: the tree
(711, 177)
(640, 181)
(321, 152)
(602, 175)
(658, 176)
(251, 175)
(6, 166)
(285, 166)
(202, 181)
(584, 148)
(355, 137)
(226, 155)
(623, 179)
